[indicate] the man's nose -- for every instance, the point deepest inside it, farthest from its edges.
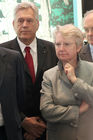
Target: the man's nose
(90, 32)
(62, 46)
(25, 23)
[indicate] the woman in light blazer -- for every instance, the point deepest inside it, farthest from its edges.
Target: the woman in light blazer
(67, 89)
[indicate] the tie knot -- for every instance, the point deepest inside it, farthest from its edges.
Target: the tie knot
(27, 49)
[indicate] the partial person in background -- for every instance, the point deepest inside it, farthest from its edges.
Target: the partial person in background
(67, 89)
(26, 24)
(86, 52)
(11, 94)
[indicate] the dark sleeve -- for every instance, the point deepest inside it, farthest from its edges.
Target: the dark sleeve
(20, 83)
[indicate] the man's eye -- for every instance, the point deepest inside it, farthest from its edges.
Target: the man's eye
(66, 44)
(29, 20)
(20, 20)
(86, 30)
(57, 44)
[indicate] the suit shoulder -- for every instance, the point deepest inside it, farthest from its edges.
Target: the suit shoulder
(11, 57)
(51, 71)
(6, 43)
(87, 65)
(9, 52)
(45, 42)
(84, 49)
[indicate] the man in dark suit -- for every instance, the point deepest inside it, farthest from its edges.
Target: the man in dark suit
(86, 52)
(26, 24)
(11, 94)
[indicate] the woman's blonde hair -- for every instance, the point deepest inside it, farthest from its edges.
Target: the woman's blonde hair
(69, 30)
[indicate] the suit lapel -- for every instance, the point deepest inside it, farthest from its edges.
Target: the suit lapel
(86, 53)
(15, 46)
(41, 53)
(2, 68)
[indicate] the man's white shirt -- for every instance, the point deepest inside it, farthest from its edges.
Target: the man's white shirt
(33, 51)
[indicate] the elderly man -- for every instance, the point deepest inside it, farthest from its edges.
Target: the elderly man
(87, 50)
(37, 55)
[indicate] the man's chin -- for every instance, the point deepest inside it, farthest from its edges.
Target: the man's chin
(24, 38)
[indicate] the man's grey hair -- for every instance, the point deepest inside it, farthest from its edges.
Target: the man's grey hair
(86, 14)
(26, 5)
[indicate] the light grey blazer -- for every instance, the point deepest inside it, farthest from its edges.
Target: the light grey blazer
(60, 102)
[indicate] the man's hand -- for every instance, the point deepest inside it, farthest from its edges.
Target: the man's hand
(27, 136)
(34, 126)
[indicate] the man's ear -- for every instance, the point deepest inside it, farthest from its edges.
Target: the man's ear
(37, 23)
(13, 23)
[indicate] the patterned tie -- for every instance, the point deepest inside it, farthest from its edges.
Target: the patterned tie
(29, 61)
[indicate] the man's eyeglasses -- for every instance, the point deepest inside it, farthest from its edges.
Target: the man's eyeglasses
(22, 20)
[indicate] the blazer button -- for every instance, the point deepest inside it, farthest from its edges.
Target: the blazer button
(73, 124)
(76, 94)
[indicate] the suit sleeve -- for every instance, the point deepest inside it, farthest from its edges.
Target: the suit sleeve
(53, 112)
(20, 83)
(83, 91)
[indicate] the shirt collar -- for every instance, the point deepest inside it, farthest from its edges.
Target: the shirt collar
(91, 47)
(60, 65)
(33, 45)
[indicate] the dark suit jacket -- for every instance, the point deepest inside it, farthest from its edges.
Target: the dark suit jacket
(46, 59)
(85, 53)
(11, 92)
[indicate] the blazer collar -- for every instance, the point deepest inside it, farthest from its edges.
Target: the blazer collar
(62, 74)
(2, 66)
(15, 46)
(41, 54)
